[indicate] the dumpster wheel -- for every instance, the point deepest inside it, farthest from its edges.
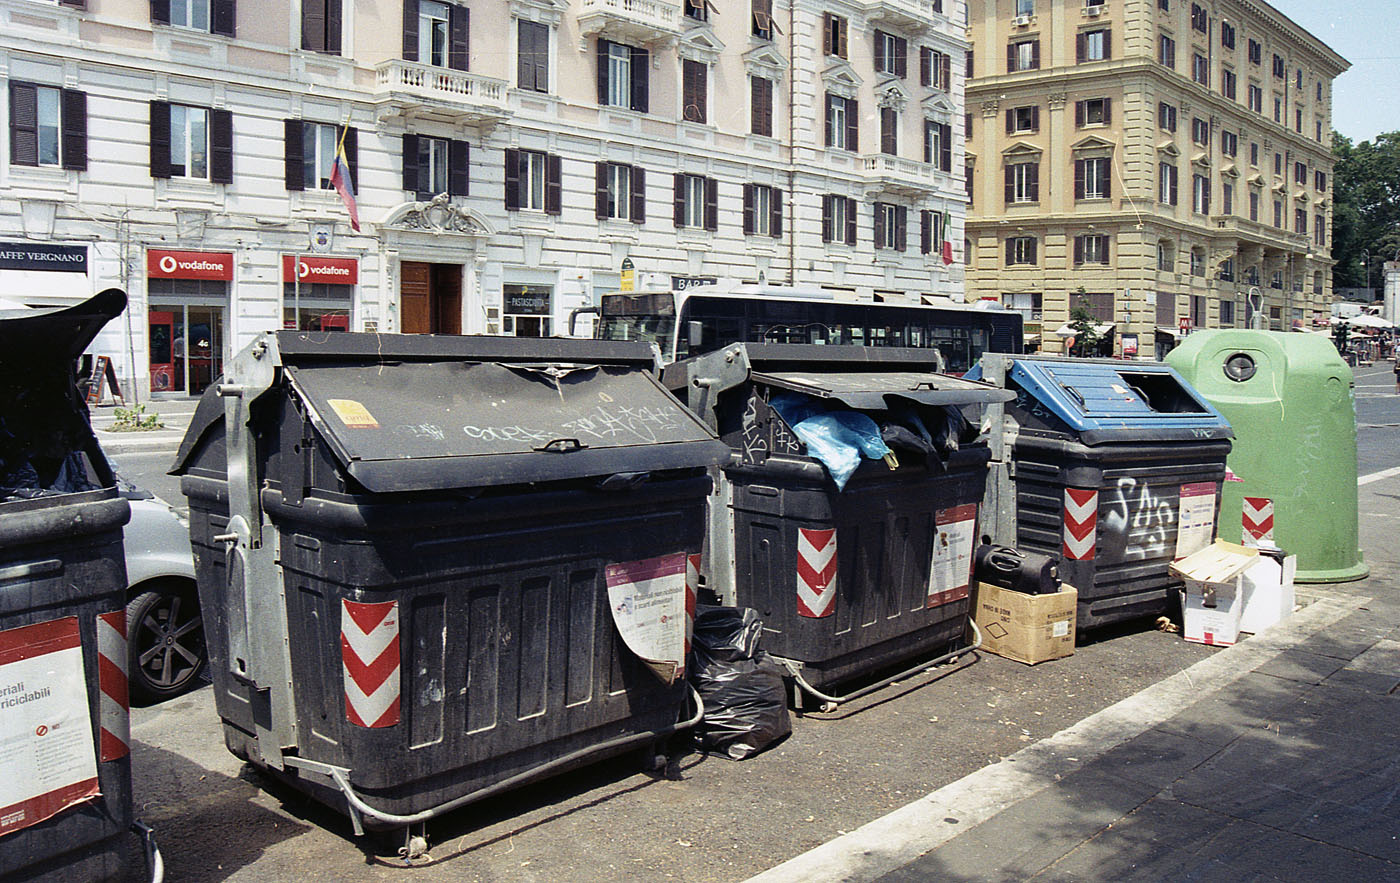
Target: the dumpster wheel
(830, 703)
(415, 847)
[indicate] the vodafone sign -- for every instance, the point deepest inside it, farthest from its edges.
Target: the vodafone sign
(162, 264)
(312, 268)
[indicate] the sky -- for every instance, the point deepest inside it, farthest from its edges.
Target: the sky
(1366, 99)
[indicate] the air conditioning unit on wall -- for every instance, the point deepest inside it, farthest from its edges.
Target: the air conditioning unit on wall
(1093, 9)
(1021, 21)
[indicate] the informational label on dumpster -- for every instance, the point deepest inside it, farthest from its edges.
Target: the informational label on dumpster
(1195, 522)
(353, 414)
(955, 531)
(47, 759)
(648, 605)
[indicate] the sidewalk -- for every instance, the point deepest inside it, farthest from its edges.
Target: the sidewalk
(174, 413)
(1275, 759)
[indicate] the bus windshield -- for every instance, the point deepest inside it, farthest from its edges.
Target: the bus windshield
(646, 317)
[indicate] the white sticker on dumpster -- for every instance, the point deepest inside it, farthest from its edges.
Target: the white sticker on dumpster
(648, 605)
(1195, 521)
(47, 758)
(955, 532)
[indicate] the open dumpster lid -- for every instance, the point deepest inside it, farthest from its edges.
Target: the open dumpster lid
(866, 390)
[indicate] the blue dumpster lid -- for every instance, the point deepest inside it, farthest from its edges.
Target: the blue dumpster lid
(1105, 401)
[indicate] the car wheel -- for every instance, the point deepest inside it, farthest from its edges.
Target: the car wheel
(164, 641)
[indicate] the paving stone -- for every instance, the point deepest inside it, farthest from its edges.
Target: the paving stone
(1155, 835)
(1157, 757)
(1375, 833)
(1365, 681)
(1296, 665)
(1256, 849)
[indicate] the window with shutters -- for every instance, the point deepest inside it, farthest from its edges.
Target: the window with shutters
(1254, 205)
(435, 33)
(1200, 194)
(621, 192)
(1254, 153)
(1227, 198)
(1021, 251)
(623, 76)
(1227, 35)
(834, 31)
(532, 57)
(434, 165)
(841, 122)
(1227, 314)
(1166, 309)
(1200, 131)
(321, 23)
(1200, 69)
(1320, 181)
(1278, 164)
(48, 126)
(696, 202)
(694, 90)
(838, 219)
(1023, 182)
(1093, 45)
(699, 10)
(931, 232)
(1300, 220)
(1196, 304)
(193, 14)
(533, 181)
(189, 142)
(1227, 83)
(1166, 51)
(938, 145)
(1023, 55)
(761, 106)
(890, 226)
(1091, 248)
(1298, 120)
(1166, 256)
(1229, 143)
(1020, 120)
(1279, 68)
(891, 54)
(1199, 20)
(1255, 52)
(1027, 303)
(1091, 178)
(935, 69)
(1092, 112)
(762, 210)
(310, 153)
(1320, 229)
(206, 16)
(432, 32)
(1300, 173)
(1256, 98)
(1166, 116)
(764, 25)
(1167, 177)
(889, 131)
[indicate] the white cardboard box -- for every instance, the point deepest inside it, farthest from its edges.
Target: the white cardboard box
(1212, 602)
(1268, 590)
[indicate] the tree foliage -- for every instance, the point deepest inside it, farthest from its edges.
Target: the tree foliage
(1366, 214)
(1087, 339)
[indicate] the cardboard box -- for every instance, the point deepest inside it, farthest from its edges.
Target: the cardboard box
(1213, 599)
(1026, 628)
(1268, 590)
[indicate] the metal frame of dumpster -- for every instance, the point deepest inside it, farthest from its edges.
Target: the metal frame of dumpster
(772, 499)
(1116, 549)
(504, 655)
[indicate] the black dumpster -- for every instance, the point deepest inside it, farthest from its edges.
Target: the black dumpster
(475, 549)
(65, 768)
(1114, 467)
(848, 581)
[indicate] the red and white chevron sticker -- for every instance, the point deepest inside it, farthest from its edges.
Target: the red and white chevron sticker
(1081, 523)
(816, 572)
(1258, 518)
(369, 653)
(114, 704)
(692, 587)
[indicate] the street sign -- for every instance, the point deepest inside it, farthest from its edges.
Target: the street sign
(629, 275)
(1185, 325)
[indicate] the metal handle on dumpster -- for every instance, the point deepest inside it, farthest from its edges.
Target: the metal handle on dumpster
(561, 446)
(830, 702)
(1078, 396)
(358, 807)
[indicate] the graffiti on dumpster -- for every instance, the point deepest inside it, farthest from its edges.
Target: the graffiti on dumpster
(603, 421)
(1139, 522)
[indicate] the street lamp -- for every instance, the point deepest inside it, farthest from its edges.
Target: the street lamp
(1366, 264)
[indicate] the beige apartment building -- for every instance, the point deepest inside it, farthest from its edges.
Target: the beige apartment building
(1170, 158)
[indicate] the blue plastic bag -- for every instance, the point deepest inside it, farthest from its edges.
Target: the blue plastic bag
(837, 438)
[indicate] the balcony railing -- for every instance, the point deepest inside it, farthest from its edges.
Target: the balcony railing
(643, 21)
(910, 16)
(423, 91)
(895, 174)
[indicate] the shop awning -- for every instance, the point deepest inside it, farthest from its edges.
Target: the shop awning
(1068, 330)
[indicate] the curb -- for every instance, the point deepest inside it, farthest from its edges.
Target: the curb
(120, 443)
(898, 838)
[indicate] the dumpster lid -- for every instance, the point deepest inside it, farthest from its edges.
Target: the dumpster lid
(439, 425)
(47, 334)
(866, 390)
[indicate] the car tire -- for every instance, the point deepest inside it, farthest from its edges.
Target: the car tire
(165, 642)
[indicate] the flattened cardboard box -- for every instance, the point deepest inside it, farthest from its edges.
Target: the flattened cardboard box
(1026, 628)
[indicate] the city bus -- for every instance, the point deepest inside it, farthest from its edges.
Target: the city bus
(701, 319)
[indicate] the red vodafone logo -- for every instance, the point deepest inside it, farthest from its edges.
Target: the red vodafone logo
(314, 268)
(163, 264)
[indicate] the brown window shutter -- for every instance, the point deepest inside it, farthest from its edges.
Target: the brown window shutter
(1079, 179)
(24, 124)
(313, 25)
(827, 201)
(946, 62)
(901, 57)
(459, 166)
(221, 146)
(1010, 251)
(293, 155)
(1010, 184)
(1079, 114)
(678, 199)
(711, 204)
(850, 221)
(925, 231)
(826, 33)
(1035, 181)
(1079, 47)
(639, 195)
(853, 125)
(512, 179)
(160, 139)
(1010, 120)
(600, 190)
(1107, 44)
(411, 181)
(160, 12)
(333, 26)
(1035, 117)
(553, 185)
(775, 213)
(925, 66)
(351, 141)
(1035, 55)
(1107, 110)
(1011, 58)
(75, 154)
(641, 80)
(458, 38)
(748, 209)
(1105, 178)
(1034, 246)
(223, 18)
(1078, 250)
(602, 71)
(73, 4)
(880, 63)
(945, 147)
(901, 217)
(879, 225)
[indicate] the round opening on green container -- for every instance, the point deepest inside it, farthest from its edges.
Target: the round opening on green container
(1240, 367)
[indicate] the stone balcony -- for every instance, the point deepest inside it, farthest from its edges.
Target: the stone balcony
(1257, 234)
(413, 92)
(906, 16)
(644, 22)
(896, 175)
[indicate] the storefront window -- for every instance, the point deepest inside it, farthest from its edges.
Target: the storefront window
(528, 309)
(187, 336)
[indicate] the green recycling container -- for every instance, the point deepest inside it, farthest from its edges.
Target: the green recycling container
(1291, 479)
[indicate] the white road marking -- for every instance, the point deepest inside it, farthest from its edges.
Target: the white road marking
(1377, 476)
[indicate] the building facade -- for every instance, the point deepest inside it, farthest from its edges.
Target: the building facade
(1166, 163)
(507, 158)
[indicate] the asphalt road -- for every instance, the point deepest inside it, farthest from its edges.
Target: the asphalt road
(1377, 418)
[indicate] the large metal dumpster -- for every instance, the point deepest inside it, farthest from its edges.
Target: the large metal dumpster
(1290, 398)
(433, 567)
(65, 768)
(848, 581)
(1114, 467)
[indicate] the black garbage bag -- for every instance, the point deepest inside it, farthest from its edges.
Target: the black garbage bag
(741, 686)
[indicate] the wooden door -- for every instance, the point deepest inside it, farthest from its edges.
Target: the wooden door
(447, 299)
(415, 297)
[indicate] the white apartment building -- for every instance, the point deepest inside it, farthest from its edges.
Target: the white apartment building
(508, 157)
